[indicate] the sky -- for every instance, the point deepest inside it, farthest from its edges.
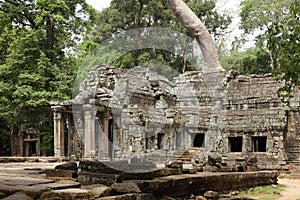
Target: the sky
(99, 4)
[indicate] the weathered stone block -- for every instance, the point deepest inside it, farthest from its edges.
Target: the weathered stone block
(98, 190)
(214, 158)
(89, 178)
(129, 197)
(67, 194)
(60, 173)
(67, 166)
(251, 168)
(125, 188)
(18, 196)
(174, 164)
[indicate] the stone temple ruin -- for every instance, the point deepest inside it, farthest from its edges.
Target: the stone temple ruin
(122, 114)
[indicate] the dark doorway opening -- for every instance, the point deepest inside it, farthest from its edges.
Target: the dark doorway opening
(111, 139)
(198, 140)
(235, 144)
(259, 144)
(32, 149)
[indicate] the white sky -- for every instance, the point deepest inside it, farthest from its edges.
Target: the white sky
(99, 4)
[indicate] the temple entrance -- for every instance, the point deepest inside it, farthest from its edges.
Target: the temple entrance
(30, 148)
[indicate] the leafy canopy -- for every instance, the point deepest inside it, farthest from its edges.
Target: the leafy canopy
(134, 14)
(37, 41)
(284, 40)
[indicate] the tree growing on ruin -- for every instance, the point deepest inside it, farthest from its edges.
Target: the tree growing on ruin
(190, 20)
(130, 14)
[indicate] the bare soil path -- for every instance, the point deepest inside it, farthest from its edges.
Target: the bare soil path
(292, 189)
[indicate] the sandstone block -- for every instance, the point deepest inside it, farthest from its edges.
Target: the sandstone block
(67, 194)
(17, 196)
(88, 178)
(98, 190)
(129, 197)
(60, 173)
(125, 188)
(68, 166)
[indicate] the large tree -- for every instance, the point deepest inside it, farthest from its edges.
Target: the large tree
(37, 39)
(284, 42)
(257, 16)
(134, 14)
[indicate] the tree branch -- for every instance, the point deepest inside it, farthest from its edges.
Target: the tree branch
(190, 21)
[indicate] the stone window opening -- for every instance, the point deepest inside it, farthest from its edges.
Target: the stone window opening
(235, 144)
(259, 144)
(198, 140)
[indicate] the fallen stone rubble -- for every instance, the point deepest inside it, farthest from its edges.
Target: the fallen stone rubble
(85, 180)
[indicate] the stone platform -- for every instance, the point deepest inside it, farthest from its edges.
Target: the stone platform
(27, 180)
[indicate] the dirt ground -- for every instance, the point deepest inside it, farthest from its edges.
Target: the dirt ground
(292, 189)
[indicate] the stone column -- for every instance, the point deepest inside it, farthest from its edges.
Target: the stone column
(89, 131)
(58, 131)
(104, 141)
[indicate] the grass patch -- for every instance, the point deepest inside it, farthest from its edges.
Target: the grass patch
(269, 192)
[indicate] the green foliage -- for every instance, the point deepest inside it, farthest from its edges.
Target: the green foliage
(257, 18)
(258, 15)
(4, 138)
(131, 14)
(37, 65)
(249, 61)
(284, 41)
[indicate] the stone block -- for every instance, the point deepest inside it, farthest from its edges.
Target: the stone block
(89, 178)
(129, 197)
(18, 196)
(67, 166)
(62, 184)
(60, 173)
(225, 169)
(251, 168)
(125, 188)
(214, 158)
(174, 164)
(98, 190)
(67, 194)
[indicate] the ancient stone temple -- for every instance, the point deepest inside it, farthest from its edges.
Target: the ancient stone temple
(26, 143)
(119, 114)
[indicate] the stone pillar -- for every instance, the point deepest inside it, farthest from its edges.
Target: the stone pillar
(71, 135)
(79, 139)
(58, 130)
(103, 137)
(89, 131)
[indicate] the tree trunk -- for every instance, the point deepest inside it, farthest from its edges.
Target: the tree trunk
(190, 21)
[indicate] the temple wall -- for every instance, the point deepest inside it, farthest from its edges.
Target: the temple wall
(141, 113)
